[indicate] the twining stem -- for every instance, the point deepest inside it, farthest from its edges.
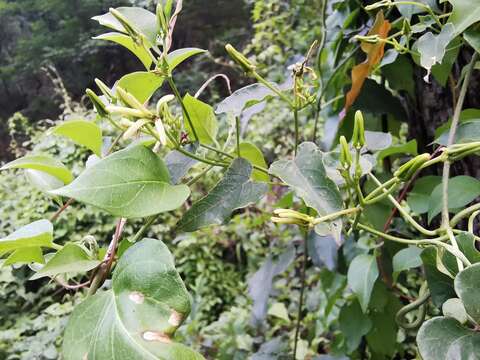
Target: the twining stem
(471, 219)
(463, 214)
(402, 211)
(335, 215)
(447, 164)
(139, 234)
(302, 291)
(380, 188)
(185, 112)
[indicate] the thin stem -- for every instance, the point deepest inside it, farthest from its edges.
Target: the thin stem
(273, 88)
(451, 139)
(463, 214)
(295, 117)
(180, 100)
(62, 209)
(144, 228)
(335, 215)
(199, 176)
(302, 291)
(383, 186)
(402, 211)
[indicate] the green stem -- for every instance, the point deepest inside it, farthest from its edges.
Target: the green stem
(295, 117)
(199, 176)
(303, 282)
(273, 88)
(382, 196)
(471, 219)
(180, 100)
(144, 228)
(335, 215)
(463, 214)
(402, 211)
(56, 246)
(380, 189)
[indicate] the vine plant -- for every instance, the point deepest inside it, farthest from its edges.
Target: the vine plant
(135, 315)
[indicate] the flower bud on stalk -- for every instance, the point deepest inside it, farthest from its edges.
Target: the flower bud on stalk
(97, 103)
(358, 137)
(345, 155)
(407, 170)
(105, 89)
(134, 128)
(240, 59)
(130, 100)
(288, 216)
(161, 20)
(378, 4)
(127, 25)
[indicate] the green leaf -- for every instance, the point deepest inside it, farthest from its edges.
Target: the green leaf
(142, 20)
(82, 132)
(464, 14)
(42, 181)
(400, 75)
(203, 120)
(306, 174)
(377, 140)
(279, 310)
(354, 324)
(408, 148)
(72, 258)
(472, 37)
(406, 259)
(362, 273)
(461, 191)
(234, 191)
(178, 56)
(130, 183)
(441, 71)
(253, 154)
(127, 42)
(25, 256)
(419, 197)
(466, 243)
(439, 284)
(138, 317)
(141, 84)
(33, 235)
(42, 163)
(432, 47)
(444, 338)
(454, 308)
(465, 116)
(466, 286)
(468, 131)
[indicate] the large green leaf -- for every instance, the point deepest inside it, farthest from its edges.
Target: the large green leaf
(127, 42)
(461, 191)
(306, 174)
(419, 197)
(25, 256)
(467, 131)
(138, 317)
(133, 182)
(203, 120)
(443, 338)
(466, 242)
(142, 20)
(439, 284)
(472, 37)
(464, 14)
(141, 84)
(362, 273)
(178, 56)
(467, 289)
(253, 154)
(72, 258)
(33, 235)
(409, 148)
(234, 191)
(406, 259)
(42, 163)
(354, 324)
(82, 132)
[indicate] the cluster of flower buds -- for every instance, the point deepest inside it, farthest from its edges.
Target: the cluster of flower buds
(407, 170)
(288, 216)
(459, 151)
(240, 59)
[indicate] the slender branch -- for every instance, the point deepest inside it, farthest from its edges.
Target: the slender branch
(302, 291)
(463, 214)
(185, 112)
(335, 215)
(144, 228)
(62, 209)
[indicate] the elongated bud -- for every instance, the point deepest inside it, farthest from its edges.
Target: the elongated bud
(134, 128)
(161, 20)
(127, 25)
(378, 4)
(163, 100)
(161, 132)
(289, 213)
(120, 110)
(130, 100)
(97, 103)
(358, 137)
(345, 155)
(104, 89)
(290, 221)
(408, 169)
(240, 59)
(371, 39)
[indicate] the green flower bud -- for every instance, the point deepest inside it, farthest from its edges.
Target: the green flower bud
(130, 100)
(378, 4)
(161, 20)
(97, 103)
(104, 89)
(240, 59)
(407, 170)
(127, 25)
(358, 137)
(345, 155)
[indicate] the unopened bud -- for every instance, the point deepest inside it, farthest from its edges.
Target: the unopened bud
(407, 170)
(134, 128)
(104, 89)
(240, 59)
(120, 110)
(130, 100)
(162, 135)
(97, 103)
(345, 155)
(164, 100)
(127, 25)
(358, 137)
(161, 20)
(378, 4)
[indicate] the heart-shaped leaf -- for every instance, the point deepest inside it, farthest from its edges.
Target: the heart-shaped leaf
(467, 289)
(406, 259)
(234, 191)
(34, 235)
(203, 120)
(82, 132)
(72, 258)
(141, 84)
(127, 42)
(439, 284)
(133, 182)
(25, 256)
(306, 174)
(41, 163)
(362, 274)
(139, 316)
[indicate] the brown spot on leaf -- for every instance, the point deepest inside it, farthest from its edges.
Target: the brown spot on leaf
(136, 297)
(175, 318)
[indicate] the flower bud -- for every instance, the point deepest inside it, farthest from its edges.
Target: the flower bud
(345, 155)
(127, 25)
(104, 89)
(407, 170)
(120, 110)
(161, 20)
(130, 100)
(97, 103)
(358, 137)
(161, 132)
(163, 100)
(378, 4)
(134, 128)
(240, 59)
